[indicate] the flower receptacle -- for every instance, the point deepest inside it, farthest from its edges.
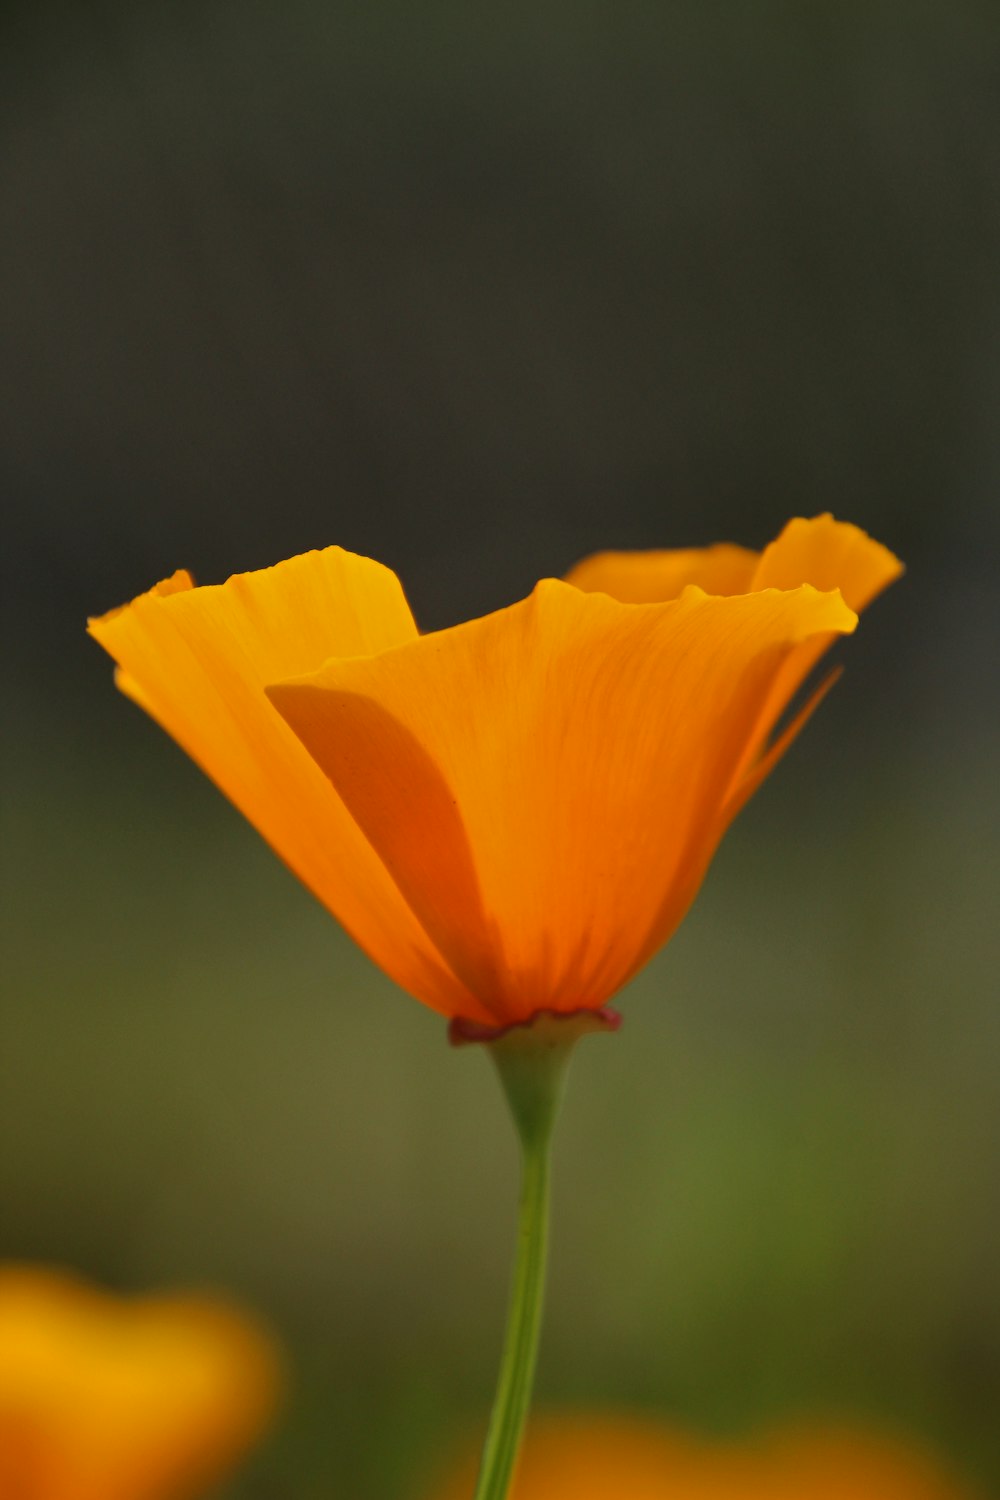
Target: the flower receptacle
(531, 1058)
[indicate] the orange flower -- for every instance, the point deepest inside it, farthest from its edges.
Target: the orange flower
(611, 1458)
(512, 815)
(103, 1399)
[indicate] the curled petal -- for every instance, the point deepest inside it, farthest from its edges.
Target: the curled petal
(829, 554)
(654, 577)
(197, 659)
(823, 552)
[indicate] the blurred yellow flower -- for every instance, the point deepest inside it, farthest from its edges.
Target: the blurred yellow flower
(103, 1398)
(512, 815)
(583, 1457)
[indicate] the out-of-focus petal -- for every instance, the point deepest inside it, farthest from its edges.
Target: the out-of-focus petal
(110, 1399)
(197, 659)
(592, 1458)
(654, 577)
(537, 781)
(845, 1465)
(578, 1456)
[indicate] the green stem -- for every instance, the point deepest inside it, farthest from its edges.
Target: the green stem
(531, 1061)
(524, 1319)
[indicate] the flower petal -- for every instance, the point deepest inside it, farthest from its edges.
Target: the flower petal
(598, 1456)
(196, 659)
(654, 577)
(828, 554)
(755, 767)
(108, 1399)
(603, 1456)
(536, 781)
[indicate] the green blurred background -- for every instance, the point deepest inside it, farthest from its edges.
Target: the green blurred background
(478, 292)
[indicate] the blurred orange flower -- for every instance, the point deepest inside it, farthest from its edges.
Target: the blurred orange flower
(110, 1399)
(512, 815)
(608, 1458)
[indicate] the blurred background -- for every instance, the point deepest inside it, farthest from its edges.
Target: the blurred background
(478, 292)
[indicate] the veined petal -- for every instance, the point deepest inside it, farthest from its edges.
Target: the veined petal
(197, 659)
(654, 577)
(536, 780)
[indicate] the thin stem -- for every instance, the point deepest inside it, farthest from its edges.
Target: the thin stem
(531, 1059)
(524, 1317)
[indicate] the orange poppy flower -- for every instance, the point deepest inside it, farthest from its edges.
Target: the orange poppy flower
(616, 1458)
(110, 1399)
(512, 815)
